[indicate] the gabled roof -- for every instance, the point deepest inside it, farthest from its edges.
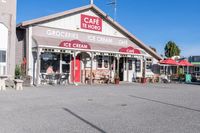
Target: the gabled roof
(100, 13)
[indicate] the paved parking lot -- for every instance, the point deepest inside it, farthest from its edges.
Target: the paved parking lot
(127, 108)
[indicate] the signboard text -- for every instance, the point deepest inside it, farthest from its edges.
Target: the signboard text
(91, 23)
(75, 44)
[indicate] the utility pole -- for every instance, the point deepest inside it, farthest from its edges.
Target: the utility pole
(114, 4)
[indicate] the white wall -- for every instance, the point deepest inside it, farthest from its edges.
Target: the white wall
(3, 46)
(73, 23)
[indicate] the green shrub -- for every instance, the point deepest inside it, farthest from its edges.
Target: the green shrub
(18, 72)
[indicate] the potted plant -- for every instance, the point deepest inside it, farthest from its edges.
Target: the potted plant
(117, 78)
(18, 72)
(143, 79)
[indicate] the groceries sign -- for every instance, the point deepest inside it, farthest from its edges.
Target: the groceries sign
(91, 23)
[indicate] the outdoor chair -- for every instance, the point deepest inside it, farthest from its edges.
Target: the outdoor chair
(87, 79)
(57, 78)
(50, 79)
(43, 79)
(64, 79)
(165, 79)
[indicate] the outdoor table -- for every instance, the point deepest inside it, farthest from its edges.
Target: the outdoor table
(53, 78)
(2, 82)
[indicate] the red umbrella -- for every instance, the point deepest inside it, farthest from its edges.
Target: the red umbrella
(184, 63)
(169, 61)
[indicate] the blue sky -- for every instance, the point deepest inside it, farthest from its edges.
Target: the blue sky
(152, 21)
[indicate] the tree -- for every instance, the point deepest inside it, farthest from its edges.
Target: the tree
(171, 49)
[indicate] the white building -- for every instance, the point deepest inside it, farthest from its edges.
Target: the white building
(7, 36)
(100, 46)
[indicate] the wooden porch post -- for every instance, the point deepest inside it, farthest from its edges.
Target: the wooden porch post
(127, 68)
(91, 69)
(38, 67)
(118, 64)
(144, 67)
(61, 63)
(110, 68)
(114, 66)
(74, 69)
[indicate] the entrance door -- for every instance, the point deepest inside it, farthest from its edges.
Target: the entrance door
(76, 77)
(121, 69)
(131, 70)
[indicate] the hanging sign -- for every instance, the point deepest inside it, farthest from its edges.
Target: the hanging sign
(75, 44)
(91, 23)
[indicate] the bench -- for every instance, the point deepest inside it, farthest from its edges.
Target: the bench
(2, 82)
(2, 85)
(18, 84)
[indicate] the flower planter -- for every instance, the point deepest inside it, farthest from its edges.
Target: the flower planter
(117, 81)
(144, 80)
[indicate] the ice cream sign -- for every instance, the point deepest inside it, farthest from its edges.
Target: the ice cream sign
(91, 23)
(75, 44)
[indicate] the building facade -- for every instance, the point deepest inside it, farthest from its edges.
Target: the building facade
(7, 36)
(195, 70)
(86, 44)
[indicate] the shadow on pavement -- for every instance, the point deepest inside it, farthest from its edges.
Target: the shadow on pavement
(169, 104)
(85, 121)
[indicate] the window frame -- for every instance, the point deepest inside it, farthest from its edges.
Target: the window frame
(104, 59)
(3, 60)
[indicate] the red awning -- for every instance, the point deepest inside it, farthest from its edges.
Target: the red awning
(130, 50)
(54, 42)
(169, 61)
(184, 63)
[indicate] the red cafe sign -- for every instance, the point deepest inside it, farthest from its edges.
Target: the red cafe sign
(91, 23)
(130, 50)
(75, 44)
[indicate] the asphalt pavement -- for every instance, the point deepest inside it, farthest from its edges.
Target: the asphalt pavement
(125, 108)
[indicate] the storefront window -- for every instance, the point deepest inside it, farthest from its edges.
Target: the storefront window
(50, 59)
(102, 61)
(197, 69)
(125, 64)
(106, 64)
(138, 65)
(2, 56)
(149, 66)
(66, 58)
(130, 66)
(66, 63)
(99, 61)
